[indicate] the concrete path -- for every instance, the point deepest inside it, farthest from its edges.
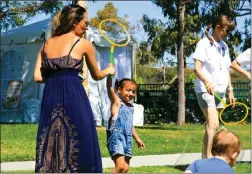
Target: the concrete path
(136, 161)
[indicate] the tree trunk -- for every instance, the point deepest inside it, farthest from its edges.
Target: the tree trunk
(180, 59)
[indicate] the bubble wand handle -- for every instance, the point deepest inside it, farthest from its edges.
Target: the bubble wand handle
(220, 99)
(111, 57)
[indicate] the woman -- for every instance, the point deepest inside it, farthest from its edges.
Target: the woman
(67, 138)
(211, 67)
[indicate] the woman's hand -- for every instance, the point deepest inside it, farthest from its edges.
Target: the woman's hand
(210, 88)
(231, 97)
(111, 69)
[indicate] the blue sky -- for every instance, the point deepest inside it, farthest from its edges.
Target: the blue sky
(134, 9)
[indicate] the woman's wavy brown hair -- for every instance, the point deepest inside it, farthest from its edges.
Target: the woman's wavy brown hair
(65, 19)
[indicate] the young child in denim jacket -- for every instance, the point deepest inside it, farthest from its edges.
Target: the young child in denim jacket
(120, 126)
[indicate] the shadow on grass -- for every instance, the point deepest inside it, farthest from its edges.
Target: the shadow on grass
(243, 162)
(180, 167)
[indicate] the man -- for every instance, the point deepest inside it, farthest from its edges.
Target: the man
(242, 60)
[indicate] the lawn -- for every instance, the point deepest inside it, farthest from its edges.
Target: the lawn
(18, 140)
(238, 168)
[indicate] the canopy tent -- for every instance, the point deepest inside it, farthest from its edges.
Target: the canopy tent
(19, 49)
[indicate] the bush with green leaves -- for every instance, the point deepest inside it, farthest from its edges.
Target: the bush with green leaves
(161, 106)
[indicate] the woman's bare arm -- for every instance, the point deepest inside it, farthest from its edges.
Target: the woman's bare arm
(37, 75)
(89, 52)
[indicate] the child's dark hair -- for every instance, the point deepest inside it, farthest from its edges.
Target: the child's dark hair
(225, 143)
(120, 83)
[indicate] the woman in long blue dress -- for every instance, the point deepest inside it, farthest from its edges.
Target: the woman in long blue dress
(67, 139)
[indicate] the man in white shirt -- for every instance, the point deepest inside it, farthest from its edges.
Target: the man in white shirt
(242, 60)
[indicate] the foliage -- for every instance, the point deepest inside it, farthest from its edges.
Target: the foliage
(189, 76)
(152, 75)
(139, 80)
(16, 13)
(110, 12)
(144, 54)
(198, 14)
(161, 105)
(163, 35)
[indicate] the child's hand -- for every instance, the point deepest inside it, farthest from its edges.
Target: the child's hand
(140, 144)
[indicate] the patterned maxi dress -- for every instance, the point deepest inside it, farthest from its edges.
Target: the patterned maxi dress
(67, 138)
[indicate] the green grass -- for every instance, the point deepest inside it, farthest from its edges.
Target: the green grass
(18, 141)
(238, 168)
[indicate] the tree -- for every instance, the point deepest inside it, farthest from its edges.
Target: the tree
(110, 12)
(144, 54)
(164, 35)
(16, 13)
(197, 14)
(180, 60)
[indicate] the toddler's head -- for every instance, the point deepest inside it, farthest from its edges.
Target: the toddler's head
(126, 89)
(226, 144)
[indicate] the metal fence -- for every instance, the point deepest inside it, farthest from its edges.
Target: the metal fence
(160, 101)
(240, 89)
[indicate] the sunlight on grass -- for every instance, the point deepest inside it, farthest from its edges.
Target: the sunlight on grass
(18, 141)
(238, 168)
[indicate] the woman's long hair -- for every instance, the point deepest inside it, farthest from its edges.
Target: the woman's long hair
(65, 19)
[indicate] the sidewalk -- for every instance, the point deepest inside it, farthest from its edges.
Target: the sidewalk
(136, 161)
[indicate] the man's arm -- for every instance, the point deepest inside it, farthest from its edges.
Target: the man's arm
(236, 66)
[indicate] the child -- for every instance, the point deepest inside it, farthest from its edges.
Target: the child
(226, 148)
(120, 127)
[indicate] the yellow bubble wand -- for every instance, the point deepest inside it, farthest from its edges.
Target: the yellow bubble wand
(113, 44)
(228, 105)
